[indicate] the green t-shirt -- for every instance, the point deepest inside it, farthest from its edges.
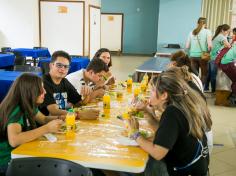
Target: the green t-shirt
(230, 56)
(195, 50)
(217, 45)
(5, 147)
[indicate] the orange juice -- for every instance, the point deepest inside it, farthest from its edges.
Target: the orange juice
(126, 116)
(119, 95)
(136, 92)
(70, 135)
(143, 86)
(70, 121)
(106, 113)
(129, 84)
(106, 101)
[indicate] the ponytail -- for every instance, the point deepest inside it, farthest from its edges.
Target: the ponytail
(201, 21)
(220, 28)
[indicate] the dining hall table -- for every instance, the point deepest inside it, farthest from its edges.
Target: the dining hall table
(101, 144)
(152, 67)
(35, 53)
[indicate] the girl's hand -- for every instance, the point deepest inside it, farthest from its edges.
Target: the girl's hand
(54, 125)
(140, 105)
(134, 125)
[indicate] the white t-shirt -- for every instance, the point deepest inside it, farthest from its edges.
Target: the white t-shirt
(195, 50)
(77, 80)
(197, 81)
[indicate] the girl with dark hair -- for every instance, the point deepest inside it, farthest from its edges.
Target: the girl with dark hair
(219, 41)
(180, 142)
(199, 41)
(233, 36)
(19, 114)
(105, 55)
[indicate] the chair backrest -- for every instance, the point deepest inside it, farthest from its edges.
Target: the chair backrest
(20, 60)
(27, 68)
(45, 67)
(42, 166)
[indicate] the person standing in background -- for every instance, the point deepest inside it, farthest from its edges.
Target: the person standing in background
(233, 36)
(199, 36)
(219, 41)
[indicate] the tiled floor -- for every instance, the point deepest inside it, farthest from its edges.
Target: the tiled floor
(223, 157)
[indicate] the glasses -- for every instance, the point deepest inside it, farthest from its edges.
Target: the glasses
(60, 65)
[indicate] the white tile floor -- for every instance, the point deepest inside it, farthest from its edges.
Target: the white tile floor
(223, 157)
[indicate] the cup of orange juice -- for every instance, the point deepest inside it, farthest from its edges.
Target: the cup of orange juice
(70, 121)
(119, 95)
(70, 124)
(106, 101)
(143, 86)
(106, 113)
(136, 91)
(129, 84)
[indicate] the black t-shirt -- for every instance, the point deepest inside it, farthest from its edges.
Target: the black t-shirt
(173, 134)
(60, 94)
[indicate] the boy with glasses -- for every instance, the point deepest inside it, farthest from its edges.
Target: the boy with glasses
(60, 93)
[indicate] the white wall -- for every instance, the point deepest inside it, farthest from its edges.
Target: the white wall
(177, 18)
(19, 23)
(86, 37)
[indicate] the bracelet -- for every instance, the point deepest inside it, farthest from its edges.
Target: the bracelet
(135, 135)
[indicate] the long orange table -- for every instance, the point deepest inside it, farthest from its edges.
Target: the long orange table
(95, 145)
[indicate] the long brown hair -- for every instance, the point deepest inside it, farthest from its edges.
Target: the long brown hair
(201, 21)
(220, 28)
(99, 53)
(181, 72)
(181, 59)
(186, 100)
(23, 93)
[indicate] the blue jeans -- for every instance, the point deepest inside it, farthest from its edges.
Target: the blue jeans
(211, 77)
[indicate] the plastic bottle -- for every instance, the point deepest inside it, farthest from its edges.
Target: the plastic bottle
(129, 84)
(70, 121)
(145, 78)
(106, 101)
